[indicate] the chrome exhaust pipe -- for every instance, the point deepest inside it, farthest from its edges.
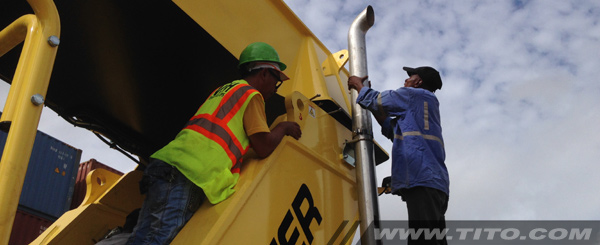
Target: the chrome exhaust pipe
(363, 131)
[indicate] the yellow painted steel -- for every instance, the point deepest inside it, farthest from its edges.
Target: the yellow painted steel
(277, 25)
(22, 30)
(336, 78)
(104, 207)
(31, 78)
(305, 178)
(303, 191)
(302, 183)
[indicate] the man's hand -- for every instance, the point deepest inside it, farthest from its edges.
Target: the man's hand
(355, 82)
(264, 143)
(291, 129)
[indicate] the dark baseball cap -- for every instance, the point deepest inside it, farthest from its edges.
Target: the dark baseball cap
(428, 74)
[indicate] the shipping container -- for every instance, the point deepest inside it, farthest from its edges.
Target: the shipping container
(27, 227)
(80, 185)
(50, 178)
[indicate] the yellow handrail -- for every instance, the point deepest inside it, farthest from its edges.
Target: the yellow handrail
(40, 33)
(10, 37)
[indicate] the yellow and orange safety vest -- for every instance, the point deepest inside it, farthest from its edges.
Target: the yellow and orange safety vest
(210, 148)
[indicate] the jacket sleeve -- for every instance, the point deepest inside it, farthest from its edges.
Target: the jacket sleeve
(387, 129)
(392, 103)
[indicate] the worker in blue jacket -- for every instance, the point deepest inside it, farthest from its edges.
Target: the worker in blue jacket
(410, 117)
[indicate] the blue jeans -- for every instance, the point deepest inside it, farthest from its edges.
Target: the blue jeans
(171, 201)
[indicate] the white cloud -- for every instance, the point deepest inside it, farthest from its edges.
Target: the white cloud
(519, 103)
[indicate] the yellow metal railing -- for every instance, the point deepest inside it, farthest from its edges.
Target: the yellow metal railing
(40, 36)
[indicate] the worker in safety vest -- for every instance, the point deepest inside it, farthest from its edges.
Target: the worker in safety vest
(204, 159)
(410, 117)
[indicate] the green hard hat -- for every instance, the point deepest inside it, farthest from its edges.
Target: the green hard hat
(260, 51)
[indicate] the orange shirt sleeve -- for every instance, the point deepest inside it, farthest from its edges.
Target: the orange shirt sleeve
(255, 118)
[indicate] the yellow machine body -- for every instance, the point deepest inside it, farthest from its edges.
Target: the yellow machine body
(303, 193)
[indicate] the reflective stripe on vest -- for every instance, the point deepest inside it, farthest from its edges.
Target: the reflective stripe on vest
(214, 126)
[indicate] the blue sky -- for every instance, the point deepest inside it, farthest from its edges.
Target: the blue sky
(519, 104)
(520, 98)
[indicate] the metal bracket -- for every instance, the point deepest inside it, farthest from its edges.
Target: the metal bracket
(335, 62)
(362, 134)
(348, 154)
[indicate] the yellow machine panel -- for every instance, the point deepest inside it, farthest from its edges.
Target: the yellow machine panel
(296, 194)
(109, 198)
(303, 193)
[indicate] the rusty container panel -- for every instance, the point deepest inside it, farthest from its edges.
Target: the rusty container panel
(80, 186)
(27, 227)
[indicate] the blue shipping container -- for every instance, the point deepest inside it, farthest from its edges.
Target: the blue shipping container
(50, 179)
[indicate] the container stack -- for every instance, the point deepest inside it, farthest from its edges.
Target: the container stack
(48, 186)
(27, 227)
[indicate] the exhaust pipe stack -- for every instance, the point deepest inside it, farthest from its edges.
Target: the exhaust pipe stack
(362, 130)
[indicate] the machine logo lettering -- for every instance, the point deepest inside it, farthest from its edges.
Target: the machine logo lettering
(305, 219)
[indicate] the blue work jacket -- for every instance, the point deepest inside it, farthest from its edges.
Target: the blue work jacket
(413, 124)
